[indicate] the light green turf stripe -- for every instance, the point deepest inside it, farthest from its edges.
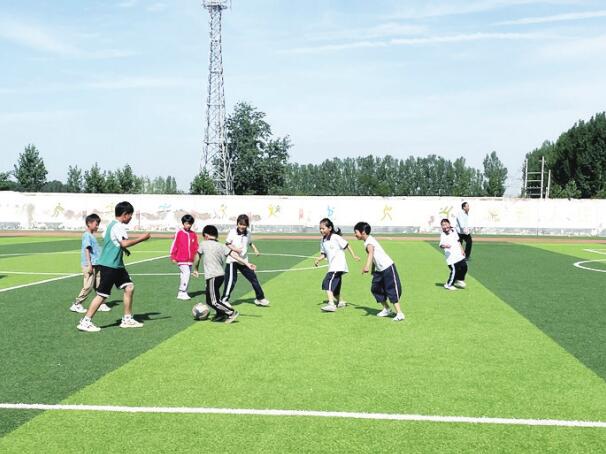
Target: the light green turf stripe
(577, 250)
(458, 353)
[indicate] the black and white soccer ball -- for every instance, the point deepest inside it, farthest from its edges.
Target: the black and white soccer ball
(200, 311)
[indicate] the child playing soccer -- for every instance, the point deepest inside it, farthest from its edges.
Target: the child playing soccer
(455, 256)
(385, 280)
(183, 252)
(332, 248)
(112, 271)
(238, 239)
(88, 259)
(214, 255)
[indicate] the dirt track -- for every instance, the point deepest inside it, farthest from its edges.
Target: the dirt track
(476, 238)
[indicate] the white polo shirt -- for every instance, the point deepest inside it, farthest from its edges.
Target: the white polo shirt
(239, 241)
(334, 250)
(454, 253)
(462, 223)
(380, 258)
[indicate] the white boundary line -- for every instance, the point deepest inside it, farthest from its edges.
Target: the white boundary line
(582, 262)
(66, 275)
(69, 275)
(308, 413)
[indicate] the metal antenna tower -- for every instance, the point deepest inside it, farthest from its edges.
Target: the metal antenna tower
(215, 159)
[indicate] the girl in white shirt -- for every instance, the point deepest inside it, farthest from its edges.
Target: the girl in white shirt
(455, 256)
(332, 248)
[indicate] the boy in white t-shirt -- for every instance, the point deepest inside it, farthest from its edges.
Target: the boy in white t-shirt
(455, 256)
(332, 248)
(385, 280)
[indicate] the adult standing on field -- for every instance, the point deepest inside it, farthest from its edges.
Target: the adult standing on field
(464, 229)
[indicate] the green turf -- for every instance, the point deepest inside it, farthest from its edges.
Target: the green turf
(477, 352)
(565, 302)
(45, 358)
(458, 353)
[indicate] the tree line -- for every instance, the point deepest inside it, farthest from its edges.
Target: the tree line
(577, 160)
(261, 166)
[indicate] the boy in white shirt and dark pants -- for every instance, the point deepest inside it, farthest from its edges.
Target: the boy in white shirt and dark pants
(385, 280)
(463, 229)
(455, 256)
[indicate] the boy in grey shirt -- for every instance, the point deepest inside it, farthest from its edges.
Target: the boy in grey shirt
(214, 255)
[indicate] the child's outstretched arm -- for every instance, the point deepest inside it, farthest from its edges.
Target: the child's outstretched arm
(136, 240)
(353, 254)
(319, 259)
(371, 252)
(234, 255)
(196, 273)
(254, 248)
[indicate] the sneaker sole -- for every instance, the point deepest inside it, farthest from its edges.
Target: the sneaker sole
(232, 318)
(131, 326)
(84, 330)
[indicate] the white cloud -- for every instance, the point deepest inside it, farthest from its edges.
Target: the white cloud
(555, 18)
(582, 48)
(121, 83)
(36, 38)
(127, 4)
(377, 31)
(157, 7)
(41, 39)
(435, 39)
(461, 7)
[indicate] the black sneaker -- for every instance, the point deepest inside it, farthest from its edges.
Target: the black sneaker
(219, 317)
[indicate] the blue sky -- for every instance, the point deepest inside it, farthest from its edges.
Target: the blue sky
(124, 81)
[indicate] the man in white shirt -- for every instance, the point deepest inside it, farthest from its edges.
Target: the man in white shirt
(464, 229)
(455, 257)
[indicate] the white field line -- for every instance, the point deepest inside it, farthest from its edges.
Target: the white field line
(66, 275)
(581, 263)
(308, 413)
(72, 252)
(70, 275)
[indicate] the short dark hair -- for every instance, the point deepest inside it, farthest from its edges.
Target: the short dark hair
(463, 205)
(445, 220)
(92, 218)
(362, 227)
(124, 208)
(243, 219)
(328, 223)
(187, 218)
(210, 230)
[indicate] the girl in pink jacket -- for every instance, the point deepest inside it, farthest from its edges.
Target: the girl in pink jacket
(183, 252)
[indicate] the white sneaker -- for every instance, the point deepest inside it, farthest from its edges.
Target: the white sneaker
(460, 284)
(88, 326)
(449, 287)
(77, 307)
(130, 323)
(341, 304)
(183, 296)
(104, 308)
(262, 302)
(399, 317)
(385, 313)
(329, 308)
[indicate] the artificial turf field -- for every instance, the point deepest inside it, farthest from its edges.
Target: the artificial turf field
(525, 340)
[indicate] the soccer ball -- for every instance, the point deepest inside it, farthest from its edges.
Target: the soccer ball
(200, 311)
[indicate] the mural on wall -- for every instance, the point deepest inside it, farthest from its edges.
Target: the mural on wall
(419, 214)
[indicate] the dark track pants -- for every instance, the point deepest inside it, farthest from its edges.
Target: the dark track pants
(468, 243)
(213, 292)
(457, 272)
(231, 276)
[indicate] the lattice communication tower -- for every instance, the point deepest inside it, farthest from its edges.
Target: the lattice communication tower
(215, 159)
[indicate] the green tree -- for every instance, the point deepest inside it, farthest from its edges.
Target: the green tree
(54, 186)
(126, 180)
(579, 155)
(74, 179)
(112, 184)
(203, 184)
(30, 170)
(258, 160)
(94, 180)
(6, 184)
(495, 175)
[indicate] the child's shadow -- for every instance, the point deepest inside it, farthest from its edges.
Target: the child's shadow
(113, 303)
(145, 317)
(197, 293)
(368, 310)
(439, 284)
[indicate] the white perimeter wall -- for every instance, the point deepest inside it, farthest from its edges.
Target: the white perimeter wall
(20, 211)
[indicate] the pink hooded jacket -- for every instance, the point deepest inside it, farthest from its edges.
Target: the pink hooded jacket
(184, 247)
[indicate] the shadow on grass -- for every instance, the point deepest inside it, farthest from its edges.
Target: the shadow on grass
(368, 310)
(145, 317)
